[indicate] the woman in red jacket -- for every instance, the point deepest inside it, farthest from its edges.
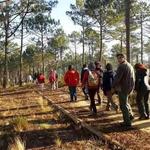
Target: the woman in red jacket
(71, 79)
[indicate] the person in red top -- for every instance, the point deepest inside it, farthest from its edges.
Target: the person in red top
(52, 79)
(71, 79)
(91, 79)
(41, 81)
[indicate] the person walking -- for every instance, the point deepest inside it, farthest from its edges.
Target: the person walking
(91, 79)
(100, 74)
(41, 81)
(52, 79)
(108, 77)
(142, 88)
(71, 79)
(123, 83)
(84, 88)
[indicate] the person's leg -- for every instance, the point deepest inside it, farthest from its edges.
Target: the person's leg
(71, 93)
(75, 93)
(54, 84)
(92, 93)
(110, 101)
(85, 92)
(123, 100)
(146, 104)
(42, 85)
(98, 96)
(140, 105)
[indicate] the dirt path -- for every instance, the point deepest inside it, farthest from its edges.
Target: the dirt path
(108, 122)
(27, 115)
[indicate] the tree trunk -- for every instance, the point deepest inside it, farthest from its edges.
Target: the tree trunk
(83, 42)
(100, 38)
(121, 43)
(43, 70)
(127, 23)
(141, 37)
(75, 52)
(21, 48)
(89, 53)
(137, 58)
(5, 76)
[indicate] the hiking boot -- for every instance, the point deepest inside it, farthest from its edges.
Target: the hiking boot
(108, 109)
(75, 98)
(117, 109)
(86, 98)
(143, 117)
(131, 117)
(99, 102)
(90, 108)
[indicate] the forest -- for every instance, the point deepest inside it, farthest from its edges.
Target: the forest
(34, 114)
(125, 22)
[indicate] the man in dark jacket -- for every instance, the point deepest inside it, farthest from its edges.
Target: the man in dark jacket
(142, 88)
(123, 83)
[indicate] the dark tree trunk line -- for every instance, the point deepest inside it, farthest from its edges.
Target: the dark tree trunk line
(127, 23)
(21, 49)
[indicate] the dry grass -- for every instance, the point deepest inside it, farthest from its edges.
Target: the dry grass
(18, 144)
(57, 116)
(19, 123)
(58, 142)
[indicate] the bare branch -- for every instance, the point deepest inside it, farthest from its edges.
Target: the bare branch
(20, 21)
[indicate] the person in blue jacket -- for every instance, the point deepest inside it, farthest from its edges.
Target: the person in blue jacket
(108, 78)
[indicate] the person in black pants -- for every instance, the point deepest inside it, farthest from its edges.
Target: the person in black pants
(108, 78)
(84, 88)
(142, 88)
(91, 79)
(100, 74)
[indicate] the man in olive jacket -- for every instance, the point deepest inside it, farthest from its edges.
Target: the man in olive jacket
(124, 84)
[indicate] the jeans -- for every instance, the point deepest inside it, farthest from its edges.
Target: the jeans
(142, 100)
(73, 94)
(92, 93)
(125, 107)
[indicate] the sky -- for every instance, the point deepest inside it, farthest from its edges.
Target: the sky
(59, 13)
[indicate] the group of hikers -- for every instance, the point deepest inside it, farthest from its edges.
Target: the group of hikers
(39, 79)
(122, 82)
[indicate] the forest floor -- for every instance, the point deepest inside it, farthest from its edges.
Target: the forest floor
(25, 114)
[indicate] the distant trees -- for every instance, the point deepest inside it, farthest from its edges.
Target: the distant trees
(124, 24)
(79, 16)
(12, 17)
(75, 40)
(9, 14)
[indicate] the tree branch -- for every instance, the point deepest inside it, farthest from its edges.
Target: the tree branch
(20, 21)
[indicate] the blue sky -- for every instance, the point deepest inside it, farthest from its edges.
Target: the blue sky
(59, 12)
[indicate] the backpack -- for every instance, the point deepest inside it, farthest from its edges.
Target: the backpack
(93, 79)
